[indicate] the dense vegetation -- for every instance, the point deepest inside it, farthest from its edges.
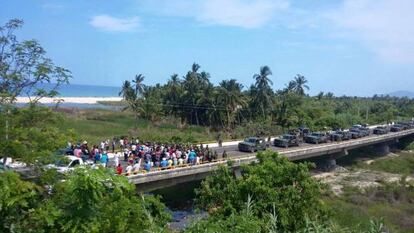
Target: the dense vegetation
(273, 187)
(87, 201)
(195, 100)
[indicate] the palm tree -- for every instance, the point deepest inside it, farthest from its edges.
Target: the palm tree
(195, 67)
(139, 86)
(230, 94)
(263, 93)
(126, 91)
(300, 84)
(174, 95)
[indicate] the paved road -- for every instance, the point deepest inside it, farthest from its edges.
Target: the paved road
(233, 152)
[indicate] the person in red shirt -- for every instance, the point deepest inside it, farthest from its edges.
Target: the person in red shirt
(119, 169)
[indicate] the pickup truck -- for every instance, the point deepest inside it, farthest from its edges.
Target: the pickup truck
(396, 128)
(286, 140)
(68, 163)
(316, 138)
(381, 130)
(252, 144)
(340, 135)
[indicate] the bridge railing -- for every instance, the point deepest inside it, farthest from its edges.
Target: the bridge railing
(334, 146)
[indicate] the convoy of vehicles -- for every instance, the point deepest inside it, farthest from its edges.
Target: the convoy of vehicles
(303, 134)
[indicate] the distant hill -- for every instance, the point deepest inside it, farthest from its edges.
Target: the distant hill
(78, 90)
(408, 94)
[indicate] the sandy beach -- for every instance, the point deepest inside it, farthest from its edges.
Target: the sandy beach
(77, 100)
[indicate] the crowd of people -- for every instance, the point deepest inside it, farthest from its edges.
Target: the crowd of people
(132, 156)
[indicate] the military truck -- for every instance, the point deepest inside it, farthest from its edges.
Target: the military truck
(379, 130)
(396, 128)
(252, 144)
(405, 125)
(286, 140)
(340, 135)
(358, 131)
(316, 138)
(355, 133)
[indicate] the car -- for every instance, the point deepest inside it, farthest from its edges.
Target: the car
(286, 140)
(68, 163)
(316, 138)
(252, 144)
(379, 130)
(396, 128)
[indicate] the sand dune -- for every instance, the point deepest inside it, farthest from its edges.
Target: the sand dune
(78, 100)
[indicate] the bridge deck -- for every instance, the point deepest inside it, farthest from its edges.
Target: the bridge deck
(291, 153)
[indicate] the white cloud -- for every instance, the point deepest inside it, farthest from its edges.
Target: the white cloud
(53, 7)
(386, 27)
(236, 13)
(113, 24)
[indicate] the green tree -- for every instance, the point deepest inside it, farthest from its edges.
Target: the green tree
(89, 200)
(274, 184)
(262, 94)
(231, 96)
(24, 67)
(300, 84)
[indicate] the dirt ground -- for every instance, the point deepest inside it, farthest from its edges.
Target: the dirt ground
(360, 178)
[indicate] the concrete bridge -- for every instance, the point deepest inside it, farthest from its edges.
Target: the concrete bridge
(329, 151)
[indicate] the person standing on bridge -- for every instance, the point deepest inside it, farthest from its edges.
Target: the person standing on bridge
(224, 154)
(192, 157)
(116, 159)
(119, 169)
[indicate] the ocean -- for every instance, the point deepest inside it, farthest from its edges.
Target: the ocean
(77, 90)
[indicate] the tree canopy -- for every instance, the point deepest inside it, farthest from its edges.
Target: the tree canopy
(272, 186)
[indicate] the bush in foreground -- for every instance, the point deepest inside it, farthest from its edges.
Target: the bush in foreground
(273, 187)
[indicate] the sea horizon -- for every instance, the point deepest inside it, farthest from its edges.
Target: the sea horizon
(81, 90)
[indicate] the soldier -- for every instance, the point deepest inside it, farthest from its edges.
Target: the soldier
(224, 154)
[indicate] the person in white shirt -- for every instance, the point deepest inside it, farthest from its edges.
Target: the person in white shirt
(128, 169)
(180, 161)
(116, 159)
(137, 166)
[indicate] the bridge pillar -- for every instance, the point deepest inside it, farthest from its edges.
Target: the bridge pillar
(382, 149)
(329, 162)
(237, 172)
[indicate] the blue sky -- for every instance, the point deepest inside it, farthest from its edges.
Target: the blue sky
(353, 47)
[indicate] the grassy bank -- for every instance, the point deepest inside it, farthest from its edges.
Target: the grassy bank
(96, 125)
(391, 202)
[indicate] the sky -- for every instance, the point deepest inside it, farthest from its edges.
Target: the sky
(351, 47)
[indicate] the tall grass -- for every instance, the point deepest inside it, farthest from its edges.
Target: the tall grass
(97, 125)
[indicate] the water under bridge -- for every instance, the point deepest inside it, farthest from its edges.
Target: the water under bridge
(329, 151)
